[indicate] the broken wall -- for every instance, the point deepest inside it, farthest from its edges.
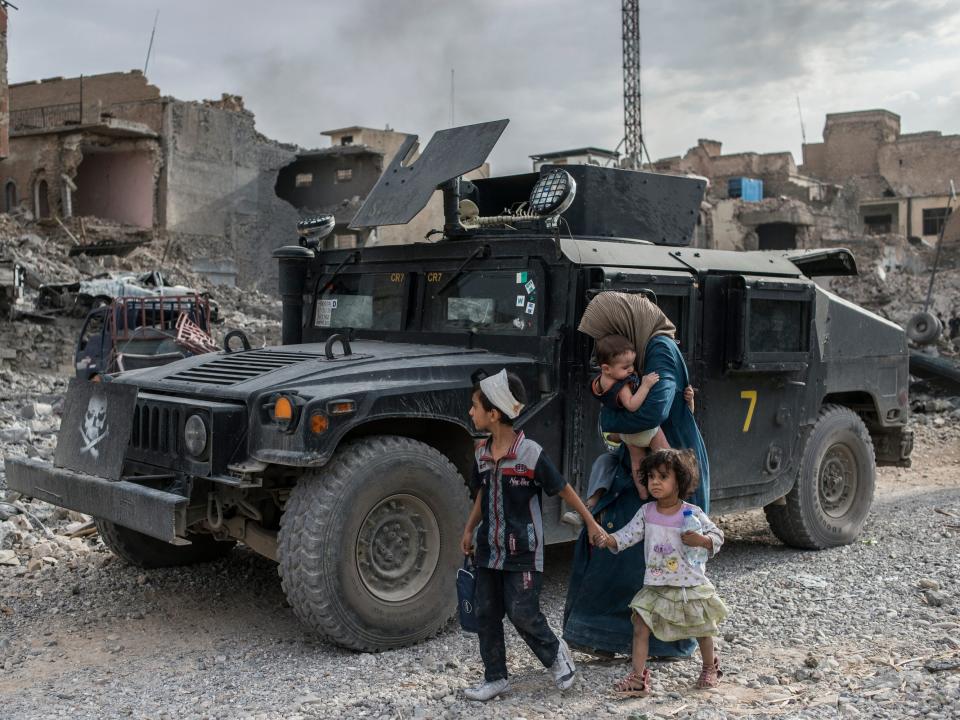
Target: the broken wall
(4, 91)
(319, 181)
(116, 94)
(921, 164)
(32, 159)
(219, 201)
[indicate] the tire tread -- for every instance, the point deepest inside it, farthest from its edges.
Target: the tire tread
(301, 563)
(787, 521)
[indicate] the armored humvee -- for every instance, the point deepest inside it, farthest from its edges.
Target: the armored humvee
(342, 453)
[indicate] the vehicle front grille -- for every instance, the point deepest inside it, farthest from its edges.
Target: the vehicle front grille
(239, 367)
(156, 428)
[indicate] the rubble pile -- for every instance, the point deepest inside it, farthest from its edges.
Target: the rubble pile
(34, 344)
(894, 276)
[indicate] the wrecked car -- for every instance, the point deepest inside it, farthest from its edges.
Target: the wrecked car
(136, 332)
(79, 297)
(342, 453)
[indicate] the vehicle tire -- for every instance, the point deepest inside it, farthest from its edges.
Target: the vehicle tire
(834, 489)
(147, 552)
(369, 544)
(924, 328)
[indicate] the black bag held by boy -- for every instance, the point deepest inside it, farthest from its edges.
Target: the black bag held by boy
(466, 584)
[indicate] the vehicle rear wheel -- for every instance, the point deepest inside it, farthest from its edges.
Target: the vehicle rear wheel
(369, 545)
(147, 552)
(834, 489)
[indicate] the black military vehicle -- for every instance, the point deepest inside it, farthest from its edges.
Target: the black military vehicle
(342, 453)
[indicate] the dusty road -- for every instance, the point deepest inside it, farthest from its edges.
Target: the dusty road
(868, 630)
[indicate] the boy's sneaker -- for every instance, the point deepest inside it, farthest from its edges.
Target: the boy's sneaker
(563, 669)
(571, 517)
(487, 690)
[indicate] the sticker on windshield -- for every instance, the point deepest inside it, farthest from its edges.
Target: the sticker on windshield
(331, 303)
(521, 278)
(521, 300)
(530, 287)
(519, 323)
(531, 307)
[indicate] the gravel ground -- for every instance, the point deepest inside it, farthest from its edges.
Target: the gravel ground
(870, 630)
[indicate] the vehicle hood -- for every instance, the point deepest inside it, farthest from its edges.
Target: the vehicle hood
(241, 375)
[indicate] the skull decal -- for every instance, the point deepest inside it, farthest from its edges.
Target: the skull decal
(94, 426)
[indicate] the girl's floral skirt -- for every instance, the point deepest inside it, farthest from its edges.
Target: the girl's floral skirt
(676, 613)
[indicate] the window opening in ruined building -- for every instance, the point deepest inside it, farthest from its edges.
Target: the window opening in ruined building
(345, 241)
(346, 140)
(304, 180)
(344, 175)
(777, 236)
(877, 224)
(10, 196)
(933, 220)
(41, 199)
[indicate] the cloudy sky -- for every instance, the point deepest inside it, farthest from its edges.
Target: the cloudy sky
(730, 70)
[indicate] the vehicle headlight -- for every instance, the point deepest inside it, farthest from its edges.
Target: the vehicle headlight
(195, 435)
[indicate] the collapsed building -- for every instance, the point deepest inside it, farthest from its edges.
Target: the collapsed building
(193, 174)
(335, 180)
(864, 179)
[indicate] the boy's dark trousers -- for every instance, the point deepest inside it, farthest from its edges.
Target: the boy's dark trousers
(516, 594)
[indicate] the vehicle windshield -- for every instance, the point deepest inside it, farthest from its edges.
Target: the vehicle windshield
(362, 301)
(486, 302)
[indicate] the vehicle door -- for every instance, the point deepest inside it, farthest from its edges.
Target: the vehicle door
(755, 354)
(675, 293)
(92, 353)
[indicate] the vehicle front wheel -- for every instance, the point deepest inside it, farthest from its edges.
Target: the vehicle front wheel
(147, 552)
(829, 502)
(369, 544)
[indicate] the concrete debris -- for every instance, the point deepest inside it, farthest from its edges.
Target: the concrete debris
(28, 349)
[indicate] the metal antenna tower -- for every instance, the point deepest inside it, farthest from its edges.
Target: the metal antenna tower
(632, 120)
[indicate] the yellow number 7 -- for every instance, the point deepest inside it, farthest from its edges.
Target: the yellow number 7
(750, 395)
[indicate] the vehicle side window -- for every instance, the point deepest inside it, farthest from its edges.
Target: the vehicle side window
(777, 326)
(673, 308)
(496, 301)
(92, 327)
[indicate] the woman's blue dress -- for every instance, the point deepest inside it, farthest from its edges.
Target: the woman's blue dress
(603, 583)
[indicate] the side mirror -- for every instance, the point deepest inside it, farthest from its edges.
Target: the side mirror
(313, 230)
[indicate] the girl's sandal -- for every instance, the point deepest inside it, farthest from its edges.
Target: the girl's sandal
(634, 685)
(710, 676)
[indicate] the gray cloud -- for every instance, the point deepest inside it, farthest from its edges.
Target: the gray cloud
(729, 70)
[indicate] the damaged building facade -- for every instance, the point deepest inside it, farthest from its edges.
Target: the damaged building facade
(192, 174)
(864, 180)
(902, 179)
(337, 179)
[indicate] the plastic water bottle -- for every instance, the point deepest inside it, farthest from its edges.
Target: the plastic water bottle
(696, 556)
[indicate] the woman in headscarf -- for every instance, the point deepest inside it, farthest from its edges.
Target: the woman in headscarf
(597, 616)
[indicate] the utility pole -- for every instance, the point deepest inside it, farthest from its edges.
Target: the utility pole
(632, 120)
(150, 46)
(803, 130)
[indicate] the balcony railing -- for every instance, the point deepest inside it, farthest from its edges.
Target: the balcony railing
(49, 116)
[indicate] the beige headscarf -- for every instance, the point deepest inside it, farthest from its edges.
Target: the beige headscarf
(627, 314)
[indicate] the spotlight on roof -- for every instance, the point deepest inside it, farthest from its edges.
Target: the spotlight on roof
(553, 193)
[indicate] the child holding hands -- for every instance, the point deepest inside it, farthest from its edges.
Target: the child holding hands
(677, 601)
(510, 474)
